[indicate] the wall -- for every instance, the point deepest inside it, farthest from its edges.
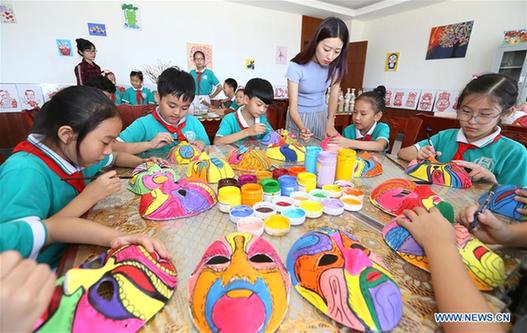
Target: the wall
(236, 31)
(408, 33)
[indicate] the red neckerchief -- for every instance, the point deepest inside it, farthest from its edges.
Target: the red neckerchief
(139, 97)
(113, 97)
(172, 129)
(367, 137)
(463, 147)
(198, 78)
(28, 147)
(238, 115)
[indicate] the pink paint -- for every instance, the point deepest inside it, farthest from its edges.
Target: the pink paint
(233, 314)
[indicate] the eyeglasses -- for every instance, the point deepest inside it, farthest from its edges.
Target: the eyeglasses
(482, 119)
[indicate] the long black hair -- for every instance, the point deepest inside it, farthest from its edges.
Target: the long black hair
(83, 45)
(329, 28)
(376, 97)
(500, 88)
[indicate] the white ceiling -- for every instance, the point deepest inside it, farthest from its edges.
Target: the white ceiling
(352, 4)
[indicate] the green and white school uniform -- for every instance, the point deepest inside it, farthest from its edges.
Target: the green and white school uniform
(235, 122)
(379, 131)
(141, 96)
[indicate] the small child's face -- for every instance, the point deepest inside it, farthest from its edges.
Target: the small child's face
(172, 108)
(227, 90)
(478, 116)
(199, 61)
(111, 77)
(363, 115)
(136, 82)
(240, 98)
(98, 143)
(255, 106)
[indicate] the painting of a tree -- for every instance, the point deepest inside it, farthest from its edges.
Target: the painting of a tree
(449, 41)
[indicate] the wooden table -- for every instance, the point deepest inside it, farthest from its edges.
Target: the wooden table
(187, 239)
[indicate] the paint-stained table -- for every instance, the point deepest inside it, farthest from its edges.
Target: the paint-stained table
(187, 239)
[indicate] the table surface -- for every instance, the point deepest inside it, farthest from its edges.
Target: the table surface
(186, 240)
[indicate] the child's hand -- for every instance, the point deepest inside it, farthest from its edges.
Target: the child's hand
(221, 112)
(477, 172)
(256, 129)
(25, 292)
(490, 230)
(430, 229)
(341, 141)
(103, 186)
(306, 134)
(160, 140)
(150, 244)
(426, 152)
(521, 196)
(156, 160)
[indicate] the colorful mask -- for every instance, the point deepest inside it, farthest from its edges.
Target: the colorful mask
(344, 280)
(149, 175)
(186, 197)
(185, 151)
(247, 159)
(209, 170)
(503, 202)
(485, 267)
(395, 195)
(435, 172)
(367, 166)
(119, 291)
(283, 146)
(239, 285)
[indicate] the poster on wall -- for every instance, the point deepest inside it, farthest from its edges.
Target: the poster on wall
(9, 98)
(449, 41)
(388, 97)
(205, 48)
(131, 16)
(514, 37)
(398, 97)
(97, 29)
(280, 91)
(392, 62)
(7, 13)
(281, 55)
(250, 64)
(50, 89)
(445, 101)
(64, 47)
(426, 101)
(29, 95)
(410, 99)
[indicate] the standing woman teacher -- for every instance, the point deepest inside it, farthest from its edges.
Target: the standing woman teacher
(87, 68)
(321, 65)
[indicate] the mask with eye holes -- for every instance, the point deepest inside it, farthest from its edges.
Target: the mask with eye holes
(239, 285)
(176, 200)
(150, 175)
(344, 280)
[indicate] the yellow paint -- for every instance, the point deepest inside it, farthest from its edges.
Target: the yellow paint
(230, 195)
(312, 298)
(277, 222)
(311, 206)
(146, 306)
(159, 199)
(331, 188)
(308, 180)
(345, 163)
(239, 293)
(350, 201)
(356, 300)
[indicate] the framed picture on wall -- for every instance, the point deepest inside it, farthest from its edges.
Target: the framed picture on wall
(97, 29)
(130, 16)
(30, 96)
(9, 98)
(426, 100)
(392, 62)
(449, 41)
(205, 48)
(64, 47)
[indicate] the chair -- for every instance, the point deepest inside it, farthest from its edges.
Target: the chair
(129, 113)
(408, 127)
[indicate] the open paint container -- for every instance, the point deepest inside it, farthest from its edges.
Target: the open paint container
(351, 202)
(264, 209)
(318, 195)
(277, 225)
(312, 208)
(238, 212)
(335, 191)
(252, 224)
(228, 196)
(333, 207)
(299, 197)
(296, 216)
(282, 203)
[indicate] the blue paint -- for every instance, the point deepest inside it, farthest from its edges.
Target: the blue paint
(288, 184)
(294, 213)
(310, 161)
(241, 211)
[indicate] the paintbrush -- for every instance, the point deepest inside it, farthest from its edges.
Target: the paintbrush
(474, 224)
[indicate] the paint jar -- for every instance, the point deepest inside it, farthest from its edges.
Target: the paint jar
(296, 216)
(306, 181)
(310, 161)
(288, 184)
(251, 194)
(295, 170)
(264, 209)
(333, 147)
(318, 195)
(312, 208)
(299, 197)
(345, 164)
(227, 182)
(277, 225)
(326, 166)
(263, 174)
(279, 172)
(271, 189)
(333, 207)
(334, 190)
(229, 196)
(252, 224)
(355, 192)
(344, 183)
(282, 203)
(237, 212)
(351, 203)
(247, 179)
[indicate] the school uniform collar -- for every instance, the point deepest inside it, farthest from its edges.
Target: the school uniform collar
(242, 120)
(140, 89)
(358, 134)
(181, 121)
(481, 142)
(36, 140)
(202, 71)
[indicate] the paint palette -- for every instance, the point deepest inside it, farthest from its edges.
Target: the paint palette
(445, 174)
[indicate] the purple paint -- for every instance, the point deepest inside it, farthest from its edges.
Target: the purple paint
(388, 305)
(246, 179)
(333, 203)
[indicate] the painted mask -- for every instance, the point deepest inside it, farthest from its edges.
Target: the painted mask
(209, 170)
(344, 280)
(184, 152)
(247, 159)
(119, 291)
(367, 166)
(149, 175)
(283, 146)
(183, 198)
(435, 172)
(503, 202)
(239, 285)
(485, 267)
(395, 195)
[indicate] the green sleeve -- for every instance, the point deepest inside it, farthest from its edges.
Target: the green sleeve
(384, 132)
(26, 236)
(214, 79)
(136, 132)
(349, 132)
(225, 126)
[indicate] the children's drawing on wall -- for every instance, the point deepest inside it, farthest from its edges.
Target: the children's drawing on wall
(30, 96)
(250, 64)
(8, 98)
(449, 41)
(388, 98)
(97, 29)
(410, 99)
(50, 89)
(281, 55)
(7, 13)
(398, 98)
(446, 101)
(64, 47)
(130, 16)
(392, 62)
(280, 92)
(205, 48)
(514, 37)
(426, 101)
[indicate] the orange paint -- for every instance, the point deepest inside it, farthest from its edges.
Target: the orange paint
(349, 201)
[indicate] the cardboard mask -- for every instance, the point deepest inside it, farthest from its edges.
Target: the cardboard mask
(446, 174)
(248, 159)
(209, 170)
(149, 175)
(503, 202)
(185, 151)
(346, 281)
(239, 285)
(119, 291)
(367, 166)
(283, 146)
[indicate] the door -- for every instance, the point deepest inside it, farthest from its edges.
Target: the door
(356, 63)
(309, 27)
